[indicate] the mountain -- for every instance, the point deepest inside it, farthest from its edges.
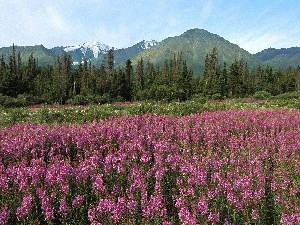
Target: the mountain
(195, 44)
(95, 51)
(121, 55)
(43, 55)
(92, 51)
(88, 50)
(282, 58)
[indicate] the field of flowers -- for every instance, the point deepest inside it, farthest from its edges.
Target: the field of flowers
(222, 167)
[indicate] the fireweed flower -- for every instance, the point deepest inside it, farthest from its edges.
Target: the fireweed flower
(98, 184)
(92, 215)
(4, 215)
(25, 207)
(214, 217)
(286, 219)
(155, 207)
(63, 207)
(105, 206)
(3, 179)
(203, 206)
(254, 214)
(119, 209)
(232, 154)
(78, 200)
(46, 205)
(186, 217)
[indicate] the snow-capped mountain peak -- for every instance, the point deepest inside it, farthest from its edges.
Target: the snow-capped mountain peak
(93, 46)
(149, 43)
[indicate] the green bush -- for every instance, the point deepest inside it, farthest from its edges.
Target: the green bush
(199, 99)
(19, 101)
(288, 95)
(262, 95)
(217, 96)
(78, 100)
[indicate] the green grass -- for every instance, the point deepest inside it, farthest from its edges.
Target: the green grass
(56, 114)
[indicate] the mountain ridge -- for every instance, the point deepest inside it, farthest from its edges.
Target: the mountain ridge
(280, 58)
(195, 44)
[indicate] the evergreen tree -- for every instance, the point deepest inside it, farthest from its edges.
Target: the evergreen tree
(58, 86)
(103, 84)
(278, 85)
(185, 82)
(128, 80)
(117, 90)
(13, 62)
(30, 74)
(94, 79)
(140, 79)
(67, 75)
(43, 84)
(166, 77)
(222, 83)
(10, 82)
(177, 70)
(259, 73)
(289, 80)
(248, 81)
(3, 75)
(110, 66)
(210, 72)
(297, 78)
(234, 79)
(85, 78)
(150, 75)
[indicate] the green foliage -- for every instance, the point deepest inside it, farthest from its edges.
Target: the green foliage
(19, 101)
(217, 96)
(174, 81)
(288, 95)
(262, 95)
(57, 114)
(199, 98)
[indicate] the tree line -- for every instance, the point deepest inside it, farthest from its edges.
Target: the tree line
(174, 80)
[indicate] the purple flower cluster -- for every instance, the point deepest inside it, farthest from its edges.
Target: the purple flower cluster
(230, 167)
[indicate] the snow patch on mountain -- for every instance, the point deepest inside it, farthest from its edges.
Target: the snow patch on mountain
(149, 43)
(93, 46)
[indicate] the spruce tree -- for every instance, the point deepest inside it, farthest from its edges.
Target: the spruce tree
(85, 78)
(222, 85)
(210, 72)
(110, 67)
(58, 86)
(297, 78)
(140, 79)
(67, 75)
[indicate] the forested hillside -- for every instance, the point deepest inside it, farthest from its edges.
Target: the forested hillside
(174, 80)
(280, 58)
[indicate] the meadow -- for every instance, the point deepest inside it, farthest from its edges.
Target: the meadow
(194, 162)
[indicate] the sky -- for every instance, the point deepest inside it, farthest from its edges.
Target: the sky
(254, 25)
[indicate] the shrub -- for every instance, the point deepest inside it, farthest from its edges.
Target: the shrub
(288, 95)
(78, 100)
(200, 99)
(262, 95)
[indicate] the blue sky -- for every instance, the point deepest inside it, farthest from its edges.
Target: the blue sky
(252, 24)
